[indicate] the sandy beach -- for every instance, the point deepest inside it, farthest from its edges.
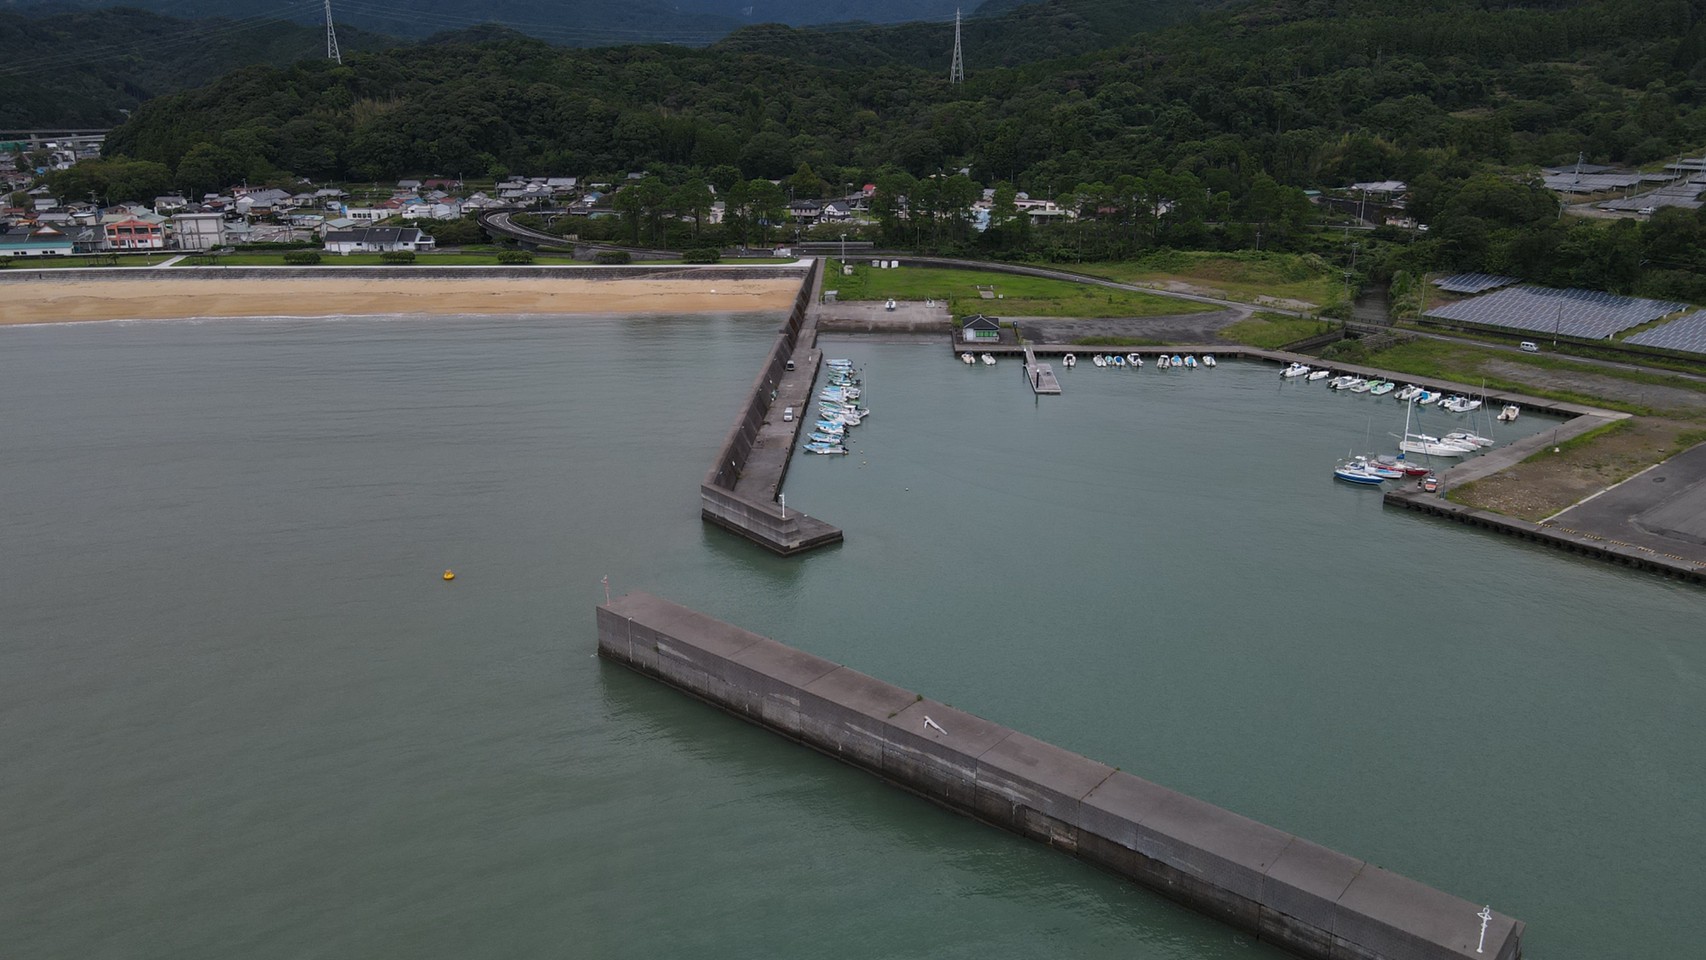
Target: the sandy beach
(56, 301)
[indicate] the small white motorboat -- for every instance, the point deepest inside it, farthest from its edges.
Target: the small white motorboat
(1175, 361)
(1069, 361)
(1119, 361)
(824, 448)
(967, 358)
(1382, 388)
(1190, 362)
(1162, 363)
(1359, 385)
(1133, 360)
(988, 361)
(1426, 397)
(1209, 361)
(1407, 392)
(1510, 412)
(1098, 360)
(1340, 382)
(1460, 404)
(1320, 374)
(1295, 370)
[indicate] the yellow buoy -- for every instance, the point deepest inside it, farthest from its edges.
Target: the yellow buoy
(448, 575)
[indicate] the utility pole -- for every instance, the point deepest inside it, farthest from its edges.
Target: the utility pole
(332, 52)
(957, 71)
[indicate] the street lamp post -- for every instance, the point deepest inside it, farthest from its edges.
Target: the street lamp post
(844, 250)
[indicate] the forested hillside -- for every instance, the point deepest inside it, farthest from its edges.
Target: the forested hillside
(1154, 141)
(87, 69)
(575, 23)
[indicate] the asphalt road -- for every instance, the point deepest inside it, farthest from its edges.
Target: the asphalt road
(1662, 508)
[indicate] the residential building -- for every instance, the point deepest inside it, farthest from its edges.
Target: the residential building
(198, 231)
(377, 240)
(36, 242)
(133, 234)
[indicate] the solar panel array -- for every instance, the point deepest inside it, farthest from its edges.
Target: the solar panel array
(1588, 314)
(1687, 334)
(1591, 182)
(1473, 282)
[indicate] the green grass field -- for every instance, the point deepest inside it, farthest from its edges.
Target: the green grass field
(1019, 296)
(1245, 276)
(1466, 363)
(60, 263)
(1273, 330)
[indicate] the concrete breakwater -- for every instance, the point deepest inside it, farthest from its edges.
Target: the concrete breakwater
(739, 492)
(1281, 888)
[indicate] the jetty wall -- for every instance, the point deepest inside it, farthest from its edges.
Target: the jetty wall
(1281, 888)
(764, 521)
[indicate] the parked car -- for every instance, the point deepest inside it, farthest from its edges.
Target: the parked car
(1529, 346)
(787, 414)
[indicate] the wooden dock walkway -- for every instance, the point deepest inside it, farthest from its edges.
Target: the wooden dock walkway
(1040, 375)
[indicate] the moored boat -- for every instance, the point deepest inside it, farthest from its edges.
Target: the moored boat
(988, 360)
(1294, 370)
(1510, 412)
(1321, 374)
(1353, 471)
(824, 448)
(967, 359)
(1209, 361)
(1382, 388)
(1190, 361)
(1359, 385)
(1133, 360)
(1162, 363)
(1069, 361)
(1119, 361)
(1175, 361)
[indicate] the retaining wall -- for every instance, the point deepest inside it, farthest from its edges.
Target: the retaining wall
(760, 271)
(1281, 888)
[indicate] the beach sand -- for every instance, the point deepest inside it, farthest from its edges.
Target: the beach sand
(51, 301)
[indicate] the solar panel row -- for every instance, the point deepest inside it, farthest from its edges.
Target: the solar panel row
(1473, 282)
(1588, 314)
(1687, 334)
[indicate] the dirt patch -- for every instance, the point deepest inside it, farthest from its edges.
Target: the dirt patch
(1181, 328)
(1538, 488)
(1670, 401)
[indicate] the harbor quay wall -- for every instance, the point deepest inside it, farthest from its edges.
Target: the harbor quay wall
(1281, 888)
(763, 521)
(1545, 534)
(420, 271)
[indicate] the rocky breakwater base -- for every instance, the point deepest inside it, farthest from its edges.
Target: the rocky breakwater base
(1280, 888)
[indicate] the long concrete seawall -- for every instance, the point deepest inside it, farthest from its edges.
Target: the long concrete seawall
(333, 271)
(1281, 888)
(727, 501)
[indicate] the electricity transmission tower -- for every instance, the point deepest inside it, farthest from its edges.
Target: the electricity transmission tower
(332, 52)
(957, 72)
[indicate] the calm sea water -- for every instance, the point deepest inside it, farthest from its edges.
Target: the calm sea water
(243, 716)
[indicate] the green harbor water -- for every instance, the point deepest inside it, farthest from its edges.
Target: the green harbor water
(243, 716)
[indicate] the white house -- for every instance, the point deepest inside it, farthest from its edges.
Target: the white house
(980, 329)
(199, 231)
(41, 242)
(377, 240)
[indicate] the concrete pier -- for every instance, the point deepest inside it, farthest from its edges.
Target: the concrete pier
(1040, 376)
(739, 492)
(1280, 888)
